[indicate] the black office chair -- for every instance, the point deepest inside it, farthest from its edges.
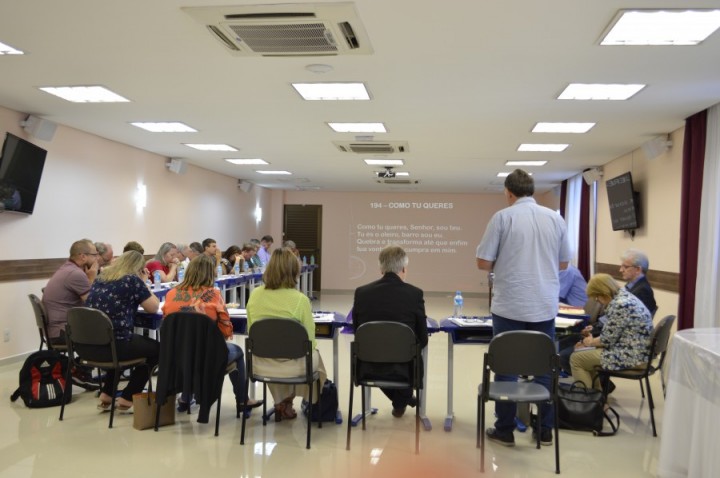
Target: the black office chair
(520, 352)
(657, 350)
(280, 339)
(41, 322)
(86, 326)
(193, 360)
(387, 343)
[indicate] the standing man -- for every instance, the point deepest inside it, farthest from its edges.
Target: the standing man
(634, 265)
(69, 287)
(525, 245)
(264, 249)
(391, 299)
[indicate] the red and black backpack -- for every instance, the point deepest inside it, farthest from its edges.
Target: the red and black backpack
(42, 380)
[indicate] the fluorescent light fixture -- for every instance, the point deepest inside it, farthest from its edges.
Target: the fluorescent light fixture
(556, 148)
(402, 173)
(85, 94)
(273, 172)
(332, 91)
(211, 147)
(384, 162)
(358, 127)
(662, 27)
(8, 50)
(165, 127)
(525, 163)
(597, 91)
(506, 174)
(246, 161)
(562, 127)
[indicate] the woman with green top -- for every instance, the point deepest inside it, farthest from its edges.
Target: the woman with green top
(279, 298)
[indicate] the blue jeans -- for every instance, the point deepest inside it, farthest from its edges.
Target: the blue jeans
(237, 377)
(506, 411)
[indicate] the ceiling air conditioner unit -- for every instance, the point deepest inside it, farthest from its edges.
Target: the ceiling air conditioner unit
(398, 181)
(372, 147)
(309, 29)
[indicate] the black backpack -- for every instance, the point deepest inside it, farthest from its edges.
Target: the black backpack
(42, 380)
(329, 400)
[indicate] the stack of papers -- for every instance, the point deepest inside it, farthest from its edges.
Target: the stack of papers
(471, 321)
(571, 310)
(323, 317)
(564, 322)
(237, 312)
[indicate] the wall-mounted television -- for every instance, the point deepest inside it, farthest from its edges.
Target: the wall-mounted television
(624, 203)
(21, 167)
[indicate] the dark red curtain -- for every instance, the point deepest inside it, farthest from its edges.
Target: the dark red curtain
(584, 232)
(563, 197)
(691, 198)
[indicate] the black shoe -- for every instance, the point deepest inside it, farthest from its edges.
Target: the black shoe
(83, 379)
(183, 407)
(504, 439)
(398, 412)
(611, 387)
(545, 436)
(413, 402)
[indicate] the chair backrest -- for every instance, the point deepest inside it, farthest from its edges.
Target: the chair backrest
(278, 338)
(385, 342)
(89, 326)
(522, 352)
(40, 318)
(661, 336)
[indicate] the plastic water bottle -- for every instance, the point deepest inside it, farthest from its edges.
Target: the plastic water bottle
(304, 260)
(156, 279)
(181, 272)
(312, 260)
(458, 304)
(246, 266)
(236, 268)
(219, 271)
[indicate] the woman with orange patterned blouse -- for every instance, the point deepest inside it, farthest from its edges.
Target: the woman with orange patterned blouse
(196, 293)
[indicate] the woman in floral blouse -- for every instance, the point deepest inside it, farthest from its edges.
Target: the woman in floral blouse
(623, 342)
(118, 291)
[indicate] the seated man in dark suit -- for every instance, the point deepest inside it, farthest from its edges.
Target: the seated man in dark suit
(391, 299)
(633, 267)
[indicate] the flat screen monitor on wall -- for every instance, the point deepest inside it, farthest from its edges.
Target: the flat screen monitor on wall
(624, 203)
(21, 167)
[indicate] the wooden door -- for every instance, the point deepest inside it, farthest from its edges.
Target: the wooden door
(303, 225)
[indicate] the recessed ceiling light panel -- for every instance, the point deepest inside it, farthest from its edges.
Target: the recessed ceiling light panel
(525, 163)
(662, 27)
(562, 127)
(8, 50)
(85, 94)
(332, 91)
(384, 162)
(246, 161)
(556, 148)
(273, 172)
(165, 127)
(211, 147)
(597, 91)
(358, 127)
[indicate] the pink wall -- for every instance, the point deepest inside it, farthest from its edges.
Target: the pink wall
(439, 231)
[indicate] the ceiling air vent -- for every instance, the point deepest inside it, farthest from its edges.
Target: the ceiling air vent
(312, 29)
(398, 181)
(372, 147)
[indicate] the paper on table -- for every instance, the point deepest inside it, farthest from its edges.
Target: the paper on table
(323, 317)
(471, 321)
(237, 312)
(564, 322)
(571, 310)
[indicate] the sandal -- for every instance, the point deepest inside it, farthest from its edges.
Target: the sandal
(104, 406)
(242, 407)
(279, 411)
(122, 408)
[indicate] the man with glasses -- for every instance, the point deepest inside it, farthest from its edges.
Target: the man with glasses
(105, 254)
(69, 287)
(634, 265)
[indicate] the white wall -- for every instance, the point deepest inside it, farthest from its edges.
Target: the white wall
(88, 190)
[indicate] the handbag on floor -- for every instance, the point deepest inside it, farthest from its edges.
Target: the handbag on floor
(144, 411)
(580, 408)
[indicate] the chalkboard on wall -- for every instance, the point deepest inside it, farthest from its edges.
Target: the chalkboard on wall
(624, 204)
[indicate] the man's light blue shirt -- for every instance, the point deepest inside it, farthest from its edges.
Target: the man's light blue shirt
(526, 242)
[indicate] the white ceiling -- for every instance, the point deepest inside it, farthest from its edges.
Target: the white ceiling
(462, 81)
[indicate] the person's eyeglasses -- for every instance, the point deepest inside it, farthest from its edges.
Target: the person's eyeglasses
(624, 266)
(91, 253)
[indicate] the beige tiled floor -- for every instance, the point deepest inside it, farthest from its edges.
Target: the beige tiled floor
(34, 443)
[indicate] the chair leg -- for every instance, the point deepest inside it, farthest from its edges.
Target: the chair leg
(319, 395)
(481, 432)
(642, 390)
(557, 436)
(349, 418)
(362, 392)
(114, 392)
(309, 415)
(217, 414)
(417, 423)
(538, 425)
(68, 385)
(265, 415)
(651, 405)
(244, 418)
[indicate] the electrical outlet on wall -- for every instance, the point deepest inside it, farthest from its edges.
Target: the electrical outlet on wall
(6, 335)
